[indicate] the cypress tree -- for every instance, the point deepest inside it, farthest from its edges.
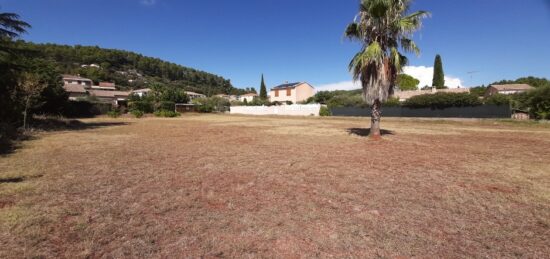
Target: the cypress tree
(439, 76)
(263, 90)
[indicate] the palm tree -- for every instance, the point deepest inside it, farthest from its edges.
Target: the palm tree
(384, 29)
(11, 26)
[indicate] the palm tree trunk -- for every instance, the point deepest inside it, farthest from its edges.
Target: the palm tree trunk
(375, 120)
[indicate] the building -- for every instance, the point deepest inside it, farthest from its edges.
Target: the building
(142, 92)
(228, 97)
(193, 95)
(293, 92)
(248, 97)
(404, 95)
(77, 80)
(116, 98)
(507, 89)
(75, 91)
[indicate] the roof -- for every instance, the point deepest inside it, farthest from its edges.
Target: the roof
(103, 93)
(285, 86)
(111, 88)
(511, 87)
(250, 94)
(193, 93)
(74, 88)
(106, 84)
(76, 78)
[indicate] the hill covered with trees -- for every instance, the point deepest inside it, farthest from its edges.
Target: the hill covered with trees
(127, 69)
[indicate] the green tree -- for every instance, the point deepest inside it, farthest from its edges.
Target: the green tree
(439, 75)
(11, 26)
(383, 27)
(406, 82)
(263, 89)
(31, 87)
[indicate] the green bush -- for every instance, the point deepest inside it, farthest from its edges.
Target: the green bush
(166, 105)
(167, 114)
(143, 106)
(498, 99)
(346, 101)
(83, 109)
(325, 111)
(392, 102)
(212, 104)
(442, 100)
(114, 113)
(537, 101)
(137, 113)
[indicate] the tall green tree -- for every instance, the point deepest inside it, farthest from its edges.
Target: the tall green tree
(11, 26)
(439, 75)
(384, 28)
(407, 83)
(263, 89)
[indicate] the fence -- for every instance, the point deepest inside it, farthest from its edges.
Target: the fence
(292, 110)
(483, 111)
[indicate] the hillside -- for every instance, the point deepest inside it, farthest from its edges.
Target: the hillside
(127, 69)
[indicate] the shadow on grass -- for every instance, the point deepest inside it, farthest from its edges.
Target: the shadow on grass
(8, 146)
(365, 132)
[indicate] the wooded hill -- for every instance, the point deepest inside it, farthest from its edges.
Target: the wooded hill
(127, 69)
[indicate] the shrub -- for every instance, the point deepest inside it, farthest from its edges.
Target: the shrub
(143, 106)
(212, 104)
(166, 105)
(167, 114)
(325, 111)
(114, 113)
(137, 113)
(498, 99)
(80, 109)
(346, 101)
(442, 100)
(392, 102)
(539, 103)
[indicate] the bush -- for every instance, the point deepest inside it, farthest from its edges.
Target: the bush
(325, 111)
(498, 99)
(346, 101)
(137, 113)
(166, 105)
(82, 109)
(538, 102)
(114, 113)
(442, 100)
(143, 106)
(392, 102)
(167, 114)
(212, 104)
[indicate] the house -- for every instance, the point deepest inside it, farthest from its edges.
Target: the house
(186, 107)
(142, 92)
(507, 89)
(293, 92)
(75, 91)
(77, 80)
(116, 98)
(193, 95)
(105, 86)
(248, 97)
(228, 97)
(405, 95)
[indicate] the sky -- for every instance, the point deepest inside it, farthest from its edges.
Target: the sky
(480, 41)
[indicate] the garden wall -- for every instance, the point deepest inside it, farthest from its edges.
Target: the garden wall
(292, 110)
(483, 111)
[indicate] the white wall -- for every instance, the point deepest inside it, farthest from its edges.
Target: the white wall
(293, 110)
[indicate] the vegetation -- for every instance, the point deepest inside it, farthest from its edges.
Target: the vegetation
(536, 102)
(439, 75)
(137, 113)
(442, 100)
(498, 99)
(383, 27)
(114, 113)
(263, 89)
(406, 82)
(478, 90)
(167, 113)
(212, 104)
(530, 80)
(324, 111)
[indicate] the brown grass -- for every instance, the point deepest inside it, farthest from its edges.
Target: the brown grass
(236, 186)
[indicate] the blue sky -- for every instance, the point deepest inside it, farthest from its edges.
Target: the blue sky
(297, 40)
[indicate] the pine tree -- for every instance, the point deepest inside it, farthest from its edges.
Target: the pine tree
(263, 90)
(439, 75)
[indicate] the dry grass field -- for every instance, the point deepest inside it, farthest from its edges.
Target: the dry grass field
(237, 186)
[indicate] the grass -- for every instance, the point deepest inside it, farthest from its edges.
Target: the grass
(237, 186)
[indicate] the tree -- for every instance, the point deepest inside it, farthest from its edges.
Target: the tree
(11, 26)
(263, 89)
(439, 75)
(406, 82)
(31, 87)
(383, 27)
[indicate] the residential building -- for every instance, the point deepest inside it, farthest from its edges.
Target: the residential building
(75, 91)
(248, 97)
(142, 92)
(404, 95)
(193, 95)
(116, 98)
(77, 80)
(228, 97)
(507, 89)
(293, 92)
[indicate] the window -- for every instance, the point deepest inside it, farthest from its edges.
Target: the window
(276, 93)
(288, 92)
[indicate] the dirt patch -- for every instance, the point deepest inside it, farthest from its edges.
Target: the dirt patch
(239, 186)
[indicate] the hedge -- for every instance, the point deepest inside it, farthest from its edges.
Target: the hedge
(442, 100)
